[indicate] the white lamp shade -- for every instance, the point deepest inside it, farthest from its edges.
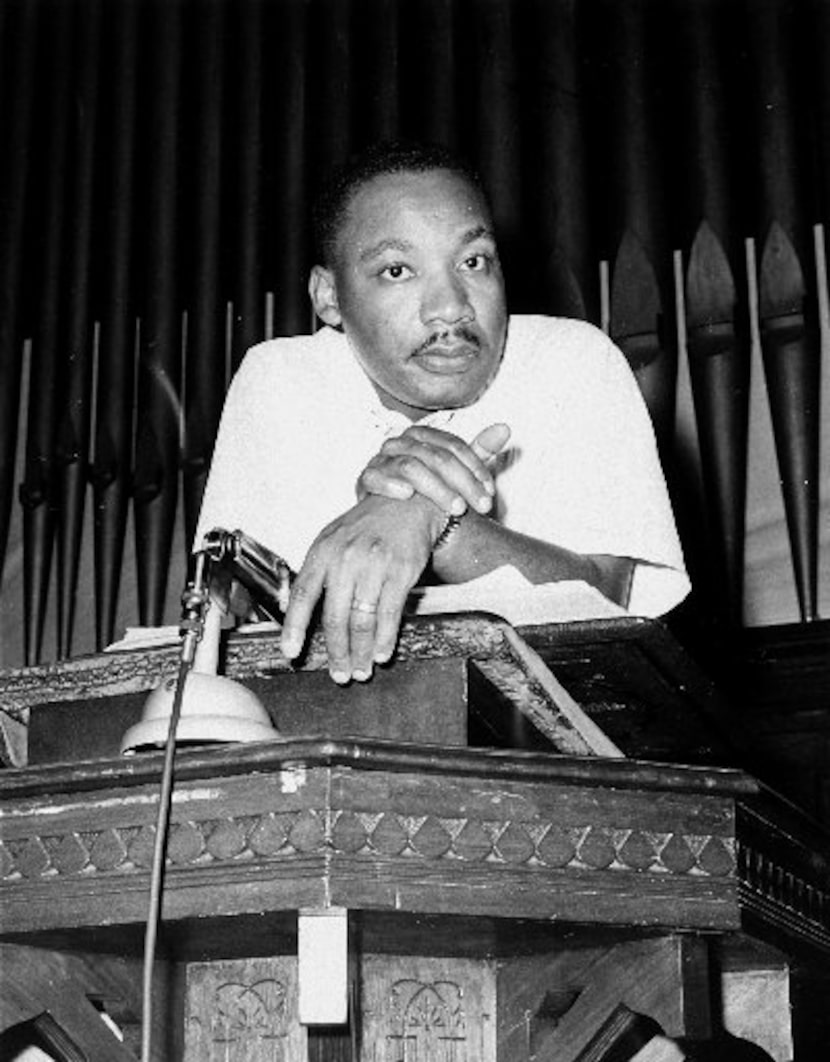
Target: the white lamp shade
(214, 708)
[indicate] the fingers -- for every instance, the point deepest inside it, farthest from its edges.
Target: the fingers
(490, 441)
(349, 621)
(425, 442)
(362, 631)
(439, 466)
(305, 593)
(380, 477)
(389, 616)
(362, 567)
(392, 477)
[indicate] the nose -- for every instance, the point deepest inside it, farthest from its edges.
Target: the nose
(446, 300)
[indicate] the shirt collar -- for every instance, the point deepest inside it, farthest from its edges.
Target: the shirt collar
(392, 422)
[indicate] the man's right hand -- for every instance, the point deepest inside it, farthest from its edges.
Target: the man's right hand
(437, 465)
(362, 567)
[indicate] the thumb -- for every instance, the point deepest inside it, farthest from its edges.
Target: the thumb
(490, 441)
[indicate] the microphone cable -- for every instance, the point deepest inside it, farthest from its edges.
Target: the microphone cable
(194, 608)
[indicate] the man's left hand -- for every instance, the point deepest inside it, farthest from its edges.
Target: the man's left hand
(438, 465)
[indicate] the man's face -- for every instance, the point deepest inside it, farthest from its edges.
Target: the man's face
(418, 288)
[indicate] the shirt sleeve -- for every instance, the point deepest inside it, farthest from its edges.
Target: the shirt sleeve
(637, 509)
(287, 446)
(243, 483)
(587, 475)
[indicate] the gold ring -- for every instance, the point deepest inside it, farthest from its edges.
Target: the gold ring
(363, 606)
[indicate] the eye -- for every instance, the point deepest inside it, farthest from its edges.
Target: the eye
(396, 271)
(476, 263)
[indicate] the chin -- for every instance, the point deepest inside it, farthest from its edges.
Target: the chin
(466, 396)
(449, 404)
(431, 399)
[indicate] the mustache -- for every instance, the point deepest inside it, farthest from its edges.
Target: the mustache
(459, 333)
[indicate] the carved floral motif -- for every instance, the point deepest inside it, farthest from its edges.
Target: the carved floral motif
(427, 1022)
(248, 1012)
(241, 1010)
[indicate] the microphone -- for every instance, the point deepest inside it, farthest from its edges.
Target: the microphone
(265, 575)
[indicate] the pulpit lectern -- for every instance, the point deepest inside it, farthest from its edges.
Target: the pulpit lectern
(496, 888)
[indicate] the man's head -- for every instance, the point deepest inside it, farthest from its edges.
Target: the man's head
(409, 269)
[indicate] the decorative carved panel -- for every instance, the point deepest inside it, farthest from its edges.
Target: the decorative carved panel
(243, 1010)
(418, 1009)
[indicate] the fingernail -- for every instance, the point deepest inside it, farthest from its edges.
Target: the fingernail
(340, 677)
(290, 647)
(361, 676)
(457, 507)
(484, 504)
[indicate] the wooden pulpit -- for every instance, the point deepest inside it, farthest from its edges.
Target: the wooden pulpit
(528, 845)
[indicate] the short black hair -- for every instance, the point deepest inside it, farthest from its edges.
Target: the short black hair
(387, 157)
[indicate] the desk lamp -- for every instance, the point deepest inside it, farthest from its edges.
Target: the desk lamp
(214, 708)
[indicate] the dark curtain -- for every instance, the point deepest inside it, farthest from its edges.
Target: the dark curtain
(159, 160)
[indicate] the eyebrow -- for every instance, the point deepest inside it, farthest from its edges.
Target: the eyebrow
(392, 244)
(384, 245)
(477, 233)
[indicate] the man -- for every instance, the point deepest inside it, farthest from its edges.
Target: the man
(423, 428)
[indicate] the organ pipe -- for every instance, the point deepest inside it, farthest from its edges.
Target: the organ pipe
(288, 111)
(497, 133)
(716, 298)
(158, 397)
(112, 460)
(38, 490)
(248, 283)
(205, 355)
(641, 284)
(72, 445)
(787, 308)
(563, 251)
(16, 111)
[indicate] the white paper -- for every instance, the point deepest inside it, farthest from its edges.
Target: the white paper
(506, 592)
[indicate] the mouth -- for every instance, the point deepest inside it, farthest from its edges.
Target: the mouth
(447, 360)
(450, 354)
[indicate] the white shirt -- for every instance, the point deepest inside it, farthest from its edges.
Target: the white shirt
(302, 420)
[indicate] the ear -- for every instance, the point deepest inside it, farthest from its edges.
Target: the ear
(323, 292)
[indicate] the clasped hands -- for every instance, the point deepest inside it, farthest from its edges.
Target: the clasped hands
(365, 562)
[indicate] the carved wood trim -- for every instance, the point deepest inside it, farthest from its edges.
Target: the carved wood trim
(384, 828)
(378, 826)
(785, 877)
(275, 836)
